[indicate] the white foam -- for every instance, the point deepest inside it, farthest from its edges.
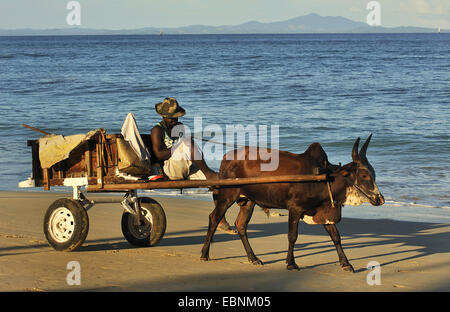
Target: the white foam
(399, 203)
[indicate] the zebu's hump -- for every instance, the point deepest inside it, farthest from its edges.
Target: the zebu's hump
(236, 154)
(316, 152)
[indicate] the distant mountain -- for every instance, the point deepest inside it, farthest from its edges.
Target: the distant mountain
(311, 23)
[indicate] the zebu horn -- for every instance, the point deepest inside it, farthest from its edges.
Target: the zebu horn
(355, 155)
(362, 152)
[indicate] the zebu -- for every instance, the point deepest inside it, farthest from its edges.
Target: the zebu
(316, 203)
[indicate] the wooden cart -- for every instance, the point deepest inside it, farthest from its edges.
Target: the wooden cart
(92, 167)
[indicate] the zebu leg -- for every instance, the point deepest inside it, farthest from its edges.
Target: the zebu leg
(225, 198)
(223, 224)
(241, 223)
(294, 218)
(336, 238)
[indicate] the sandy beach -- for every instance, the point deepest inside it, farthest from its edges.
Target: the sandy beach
(413, 256)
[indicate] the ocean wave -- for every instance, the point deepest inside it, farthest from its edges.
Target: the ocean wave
(52, 81)
(412, 204)
(144, 89)
(35, 54)
(393, 90)
(6, 56)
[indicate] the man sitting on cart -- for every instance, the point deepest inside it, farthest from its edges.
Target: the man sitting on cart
(176, 155)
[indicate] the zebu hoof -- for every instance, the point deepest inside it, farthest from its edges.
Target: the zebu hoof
(257, 262)
(348, 268)
(204, 258)
(292, 267)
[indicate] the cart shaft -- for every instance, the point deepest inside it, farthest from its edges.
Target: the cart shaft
(206, 183)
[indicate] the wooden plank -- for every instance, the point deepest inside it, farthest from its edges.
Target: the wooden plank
(59, 170)
(91, 181)
(46, 172)
(100, 182)
(208, 183)
(87, 160)
(35, 129)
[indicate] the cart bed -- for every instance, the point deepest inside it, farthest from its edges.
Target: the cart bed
(94, 164)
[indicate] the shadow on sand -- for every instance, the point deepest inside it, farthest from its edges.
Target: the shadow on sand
(422, 238)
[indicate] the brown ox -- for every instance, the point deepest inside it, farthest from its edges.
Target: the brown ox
(352, 184)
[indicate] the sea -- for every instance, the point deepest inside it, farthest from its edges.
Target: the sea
(326, 88)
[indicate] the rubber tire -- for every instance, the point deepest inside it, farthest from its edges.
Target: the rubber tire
(158, 228)
(81, 224)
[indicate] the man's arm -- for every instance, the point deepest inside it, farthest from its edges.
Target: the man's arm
(159, 148)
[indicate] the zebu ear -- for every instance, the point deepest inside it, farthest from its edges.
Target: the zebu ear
(355, 155)
(362, 152)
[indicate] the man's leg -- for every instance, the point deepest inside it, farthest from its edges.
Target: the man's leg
(198, 160)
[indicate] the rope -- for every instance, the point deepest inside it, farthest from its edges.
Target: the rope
(331, 195)
(236, 145)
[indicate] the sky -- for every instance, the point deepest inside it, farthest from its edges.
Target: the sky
(129, 14)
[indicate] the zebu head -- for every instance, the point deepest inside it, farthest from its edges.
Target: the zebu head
(364, 188)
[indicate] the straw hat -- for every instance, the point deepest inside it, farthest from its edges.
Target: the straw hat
(170, 108)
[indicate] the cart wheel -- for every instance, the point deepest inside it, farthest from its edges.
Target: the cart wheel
(149, 233)
(66, 224)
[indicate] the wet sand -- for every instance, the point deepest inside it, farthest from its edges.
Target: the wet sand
(413, 256)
